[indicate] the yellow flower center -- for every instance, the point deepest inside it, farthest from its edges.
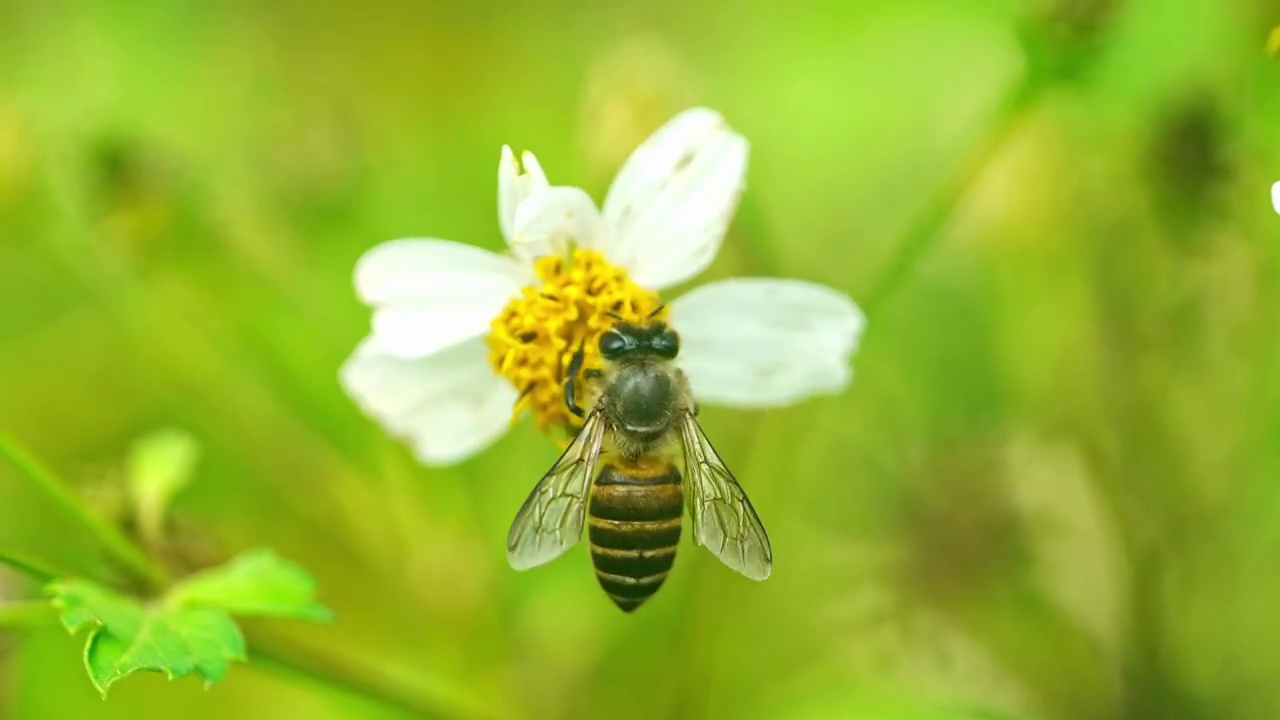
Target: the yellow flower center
(533, 339)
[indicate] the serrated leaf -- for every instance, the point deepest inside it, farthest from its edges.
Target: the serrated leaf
(128, 636)
(159, 466)
(190, 630)
(257, 583)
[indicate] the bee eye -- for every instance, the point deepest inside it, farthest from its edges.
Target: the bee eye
(667, 344)
(612, 344)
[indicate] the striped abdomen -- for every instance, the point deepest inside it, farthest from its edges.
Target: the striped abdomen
(634, 526)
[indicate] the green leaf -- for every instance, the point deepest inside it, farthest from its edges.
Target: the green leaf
(257, 583)
(159, 466)
(190, 629)
(127, 636)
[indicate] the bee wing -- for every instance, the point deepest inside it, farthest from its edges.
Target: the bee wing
(723, 520)
(550, 521)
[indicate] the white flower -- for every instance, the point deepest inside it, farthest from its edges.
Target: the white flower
(457, 329)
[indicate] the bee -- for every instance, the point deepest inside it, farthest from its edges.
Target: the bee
(620, 476)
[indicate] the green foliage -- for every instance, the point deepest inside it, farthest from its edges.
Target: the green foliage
(1051, 490)
(126, 635)
(189, 629)
(257, 583)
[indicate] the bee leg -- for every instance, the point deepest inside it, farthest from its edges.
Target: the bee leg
(575, 365)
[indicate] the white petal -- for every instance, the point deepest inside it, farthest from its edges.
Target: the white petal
(537, 178)
(1275, 196)
(514, 185)
(672, 201)
(447, 406)
(554, 218)
(759, 342)
(430, 294)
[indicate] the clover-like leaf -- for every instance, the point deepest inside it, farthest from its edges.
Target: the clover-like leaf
(257, 583)
(127, 635)
(190, 629)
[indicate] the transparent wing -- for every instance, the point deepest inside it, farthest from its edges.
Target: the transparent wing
(550, 521)
(723, 520)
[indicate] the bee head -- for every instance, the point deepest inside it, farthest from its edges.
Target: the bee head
(649, 338)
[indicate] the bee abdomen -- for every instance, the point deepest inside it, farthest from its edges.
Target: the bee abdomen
(634, 528)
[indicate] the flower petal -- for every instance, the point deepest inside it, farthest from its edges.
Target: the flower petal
(760, 342)
(430, 294)
(515, 184)
(537, 178)
(448, 406)
(551, 219)
(673, 199)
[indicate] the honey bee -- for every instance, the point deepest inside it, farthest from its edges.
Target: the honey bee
(640, 417)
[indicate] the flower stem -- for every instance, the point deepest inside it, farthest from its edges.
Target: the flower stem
(123, 550)
(351, 676)
(27, 613)
(927, 228)
(34, 568)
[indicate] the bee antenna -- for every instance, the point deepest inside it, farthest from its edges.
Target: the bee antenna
(655, 312)
(615, 316)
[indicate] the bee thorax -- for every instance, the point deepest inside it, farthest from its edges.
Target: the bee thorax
(642, 399)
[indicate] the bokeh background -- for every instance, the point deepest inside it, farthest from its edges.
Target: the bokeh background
(1051, 492)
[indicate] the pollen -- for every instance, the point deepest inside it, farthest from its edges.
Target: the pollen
(534, 338)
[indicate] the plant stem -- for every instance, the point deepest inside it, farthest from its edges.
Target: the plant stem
(927, 227)
(26, 613)
(353, 677)
(124, 551)
(34, 568)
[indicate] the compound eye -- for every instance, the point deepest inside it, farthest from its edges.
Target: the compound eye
(612, 344)
(667, 344)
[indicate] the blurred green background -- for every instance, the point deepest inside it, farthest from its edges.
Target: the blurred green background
(1051, 491)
